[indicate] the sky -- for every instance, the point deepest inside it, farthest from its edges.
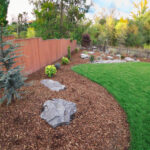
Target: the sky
(123, 8)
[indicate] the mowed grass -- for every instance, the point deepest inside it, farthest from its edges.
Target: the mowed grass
(129, 83)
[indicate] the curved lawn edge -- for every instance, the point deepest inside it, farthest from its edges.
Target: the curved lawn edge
(129, 84)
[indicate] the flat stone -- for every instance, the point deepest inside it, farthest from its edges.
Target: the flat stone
(84, 56)
(109, 61)
(53, 85)
(58, 112)
(109, 57)
(128, 59)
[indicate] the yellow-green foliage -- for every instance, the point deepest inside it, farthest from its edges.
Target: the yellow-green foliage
(50, 70)
(146, 46)
(65, 61)
(30, 32)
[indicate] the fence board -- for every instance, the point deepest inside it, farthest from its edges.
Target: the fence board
(38, 53)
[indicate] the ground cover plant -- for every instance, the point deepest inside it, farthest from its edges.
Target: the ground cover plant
(129, 83)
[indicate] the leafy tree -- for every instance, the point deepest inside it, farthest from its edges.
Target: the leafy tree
(139, 8)
(30, 32)
(61, 18)
(121, 30)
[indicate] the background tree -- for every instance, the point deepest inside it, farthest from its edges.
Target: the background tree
(59, 19)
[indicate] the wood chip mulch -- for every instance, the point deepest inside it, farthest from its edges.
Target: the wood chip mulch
(99, 124)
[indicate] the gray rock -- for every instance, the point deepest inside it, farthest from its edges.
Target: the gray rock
(53, 85)
(118, 55)
(109, 61)
(84, 56)
(110, 57)
(58, 112)
(128, 59)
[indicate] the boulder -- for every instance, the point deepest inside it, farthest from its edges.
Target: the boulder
(118, 55)
(53, 85)
(128, 59)
(84, 56)
(58, 112)
(110, 57)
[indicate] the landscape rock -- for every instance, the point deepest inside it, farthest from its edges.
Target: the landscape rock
(53, 85)
(109, 61)
(118, 55)
(110, 57)
(128, 59)
(58, 112)
(84, 56)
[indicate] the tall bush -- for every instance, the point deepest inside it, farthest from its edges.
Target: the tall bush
(86, 40)
(69, 53)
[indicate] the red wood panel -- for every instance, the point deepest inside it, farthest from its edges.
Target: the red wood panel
(38, 53)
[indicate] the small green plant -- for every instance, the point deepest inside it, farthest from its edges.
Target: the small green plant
(57, 65)
(50, 70)
(65, 61)
(77, 50)
(122, 57)
(92, 58)
(69, 53)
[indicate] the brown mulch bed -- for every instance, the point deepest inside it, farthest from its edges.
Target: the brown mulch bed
(99, 124)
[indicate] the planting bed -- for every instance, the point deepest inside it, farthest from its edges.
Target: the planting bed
(99, 124)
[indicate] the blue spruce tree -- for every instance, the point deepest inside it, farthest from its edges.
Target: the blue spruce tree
(11, 79)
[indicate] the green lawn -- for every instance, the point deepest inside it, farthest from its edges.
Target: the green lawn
(129, 83)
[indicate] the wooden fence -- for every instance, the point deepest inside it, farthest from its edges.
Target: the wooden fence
(38, 53)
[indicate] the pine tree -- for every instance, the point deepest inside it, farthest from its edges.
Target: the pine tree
(11, 79)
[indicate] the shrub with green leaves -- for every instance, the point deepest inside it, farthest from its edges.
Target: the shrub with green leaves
(122, 57)
(77, 50)
(50, 70)
(65, 61)
(92, 58)
(69, 53)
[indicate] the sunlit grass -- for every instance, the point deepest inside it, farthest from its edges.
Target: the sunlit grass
(129, 83)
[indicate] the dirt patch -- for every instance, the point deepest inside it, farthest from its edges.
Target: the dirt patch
(99, 124)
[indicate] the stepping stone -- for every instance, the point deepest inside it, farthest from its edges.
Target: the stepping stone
(58, 112)
(53, 85)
